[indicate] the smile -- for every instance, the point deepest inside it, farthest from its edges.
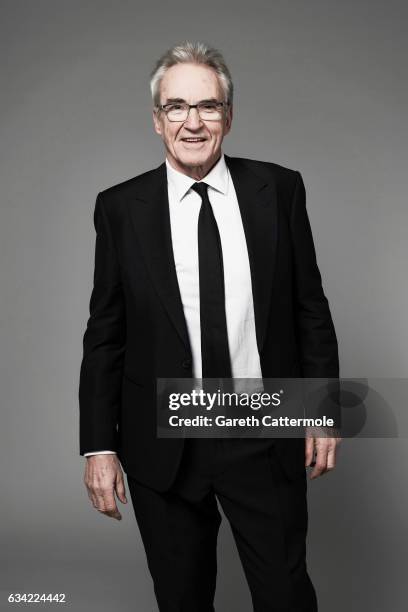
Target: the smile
(193, 139)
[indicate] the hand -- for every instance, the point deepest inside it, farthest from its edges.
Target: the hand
(103, 476)
(325, 448)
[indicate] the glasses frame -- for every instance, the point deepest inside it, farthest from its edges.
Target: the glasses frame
(162, 107)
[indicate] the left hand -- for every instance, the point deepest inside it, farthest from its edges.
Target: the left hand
(325, 448)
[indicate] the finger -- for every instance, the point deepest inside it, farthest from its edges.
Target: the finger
(120, 488)
(318, 470)
(106, 504)
(309, 450)
(98, 500)
(113, 514)
(321, 461)
(331, 456)
(101, 497)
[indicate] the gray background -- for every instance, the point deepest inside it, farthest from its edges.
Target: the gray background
(321, 88)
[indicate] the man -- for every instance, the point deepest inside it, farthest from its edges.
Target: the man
(204, 242)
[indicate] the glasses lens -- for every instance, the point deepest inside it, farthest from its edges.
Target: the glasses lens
(177, 112)
(209, 111)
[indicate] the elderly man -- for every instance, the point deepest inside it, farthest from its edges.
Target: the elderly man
(204, 267)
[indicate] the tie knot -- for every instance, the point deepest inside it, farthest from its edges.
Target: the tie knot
(201, 189)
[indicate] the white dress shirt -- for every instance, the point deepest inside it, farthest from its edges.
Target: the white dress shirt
(184, 207)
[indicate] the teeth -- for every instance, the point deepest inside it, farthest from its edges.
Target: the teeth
(193, 139)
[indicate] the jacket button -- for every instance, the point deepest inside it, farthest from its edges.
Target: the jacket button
(186, 364)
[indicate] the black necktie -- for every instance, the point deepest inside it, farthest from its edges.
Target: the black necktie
(214, 337)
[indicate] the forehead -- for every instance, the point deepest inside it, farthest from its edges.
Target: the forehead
(191, 82)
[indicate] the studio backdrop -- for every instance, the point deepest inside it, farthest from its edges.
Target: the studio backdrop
(320, 87)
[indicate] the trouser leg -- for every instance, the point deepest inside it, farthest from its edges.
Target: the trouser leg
(179, 531)
(268, 517)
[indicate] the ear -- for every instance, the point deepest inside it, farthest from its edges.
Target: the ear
(228, 120)
(157, 122)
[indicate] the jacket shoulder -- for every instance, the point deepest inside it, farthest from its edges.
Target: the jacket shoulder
(129, 186)
(116, 198)
(285, 178)
(266, 167)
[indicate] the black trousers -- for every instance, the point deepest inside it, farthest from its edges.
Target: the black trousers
(267, 513)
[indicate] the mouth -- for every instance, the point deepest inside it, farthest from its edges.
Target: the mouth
(194, 140)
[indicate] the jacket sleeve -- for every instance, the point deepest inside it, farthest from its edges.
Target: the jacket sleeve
(316, 337)
(103, 346)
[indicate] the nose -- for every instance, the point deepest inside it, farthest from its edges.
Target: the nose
(193, 120)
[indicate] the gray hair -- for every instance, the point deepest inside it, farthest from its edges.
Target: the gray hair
(191, 53)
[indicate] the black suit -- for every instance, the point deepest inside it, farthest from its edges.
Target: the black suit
(137, 330)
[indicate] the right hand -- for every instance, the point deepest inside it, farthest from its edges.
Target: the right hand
(103, 477)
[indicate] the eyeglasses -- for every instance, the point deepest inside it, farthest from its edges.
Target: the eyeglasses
(179, 111)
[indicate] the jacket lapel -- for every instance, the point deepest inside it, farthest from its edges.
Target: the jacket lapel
(151, 221)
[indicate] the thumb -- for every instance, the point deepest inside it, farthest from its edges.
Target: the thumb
(120, 489)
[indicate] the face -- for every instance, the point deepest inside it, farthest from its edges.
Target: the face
(192, 83)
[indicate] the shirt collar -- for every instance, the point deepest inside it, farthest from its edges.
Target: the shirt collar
(217, 178)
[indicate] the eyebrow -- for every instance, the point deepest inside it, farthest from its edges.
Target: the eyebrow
(175, 100)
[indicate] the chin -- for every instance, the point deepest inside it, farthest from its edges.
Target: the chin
(193, 158)
(199, 157)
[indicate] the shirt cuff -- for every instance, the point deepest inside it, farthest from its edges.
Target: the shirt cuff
(105, 452)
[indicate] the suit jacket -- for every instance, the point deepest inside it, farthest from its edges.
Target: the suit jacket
(137, 331)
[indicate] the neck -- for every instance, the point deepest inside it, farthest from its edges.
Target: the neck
(195, 172)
